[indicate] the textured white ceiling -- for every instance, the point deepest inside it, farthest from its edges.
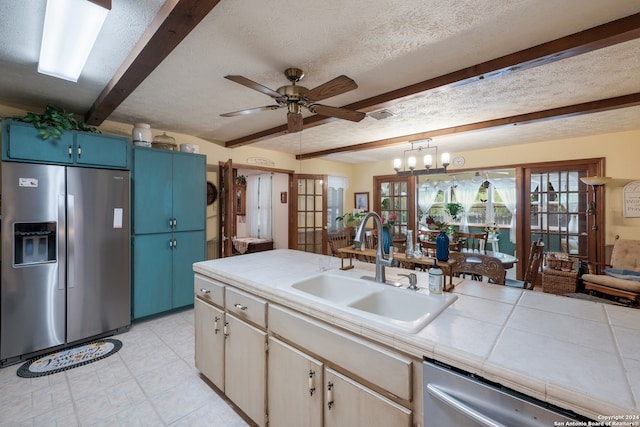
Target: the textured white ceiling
(381, 45)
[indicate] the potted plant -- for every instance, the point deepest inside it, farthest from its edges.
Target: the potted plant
(53, 121)
(454, 210)
(241, 180)
(351, 218)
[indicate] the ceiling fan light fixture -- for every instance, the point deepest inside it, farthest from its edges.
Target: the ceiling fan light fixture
(294, 108)
(294, 97)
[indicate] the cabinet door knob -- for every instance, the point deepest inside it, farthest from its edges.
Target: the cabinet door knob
(205, 291)
(70, 151)
(225, 330)
(79, 151)
(216, 326)
(240, 306)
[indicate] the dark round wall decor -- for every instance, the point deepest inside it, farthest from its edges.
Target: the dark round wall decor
(212, 193)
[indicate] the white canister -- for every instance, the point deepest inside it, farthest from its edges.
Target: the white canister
(436, 280)
(141, 134)
(187, 148)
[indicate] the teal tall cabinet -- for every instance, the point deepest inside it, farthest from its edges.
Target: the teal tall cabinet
(169, 202)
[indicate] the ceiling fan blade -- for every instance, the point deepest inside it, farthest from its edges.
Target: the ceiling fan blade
(294, 122)
(340, 84)
(340, 113)
(253, 85)
(250, 110)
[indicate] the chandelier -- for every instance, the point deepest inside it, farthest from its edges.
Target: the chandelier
(417, 147)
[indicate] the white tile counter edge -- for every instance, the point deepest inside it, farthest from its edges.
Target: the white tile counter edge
(478, 310)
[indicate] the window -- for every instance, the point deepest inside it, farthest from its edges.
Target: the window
(486, 199)
(335, 201)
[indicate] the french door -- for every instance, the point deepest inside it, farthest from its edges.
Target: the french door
(396, 195)
(226, 213)
(555, 203)
(310, 220)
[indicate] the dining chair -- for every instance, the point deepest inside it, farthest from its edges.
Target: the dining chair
(532, 269)
(338, 239)
(478, 266)
(471, 241)
(370, 242)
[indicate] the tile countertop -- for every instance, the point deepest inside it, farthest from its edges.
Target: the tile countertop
(579, 355)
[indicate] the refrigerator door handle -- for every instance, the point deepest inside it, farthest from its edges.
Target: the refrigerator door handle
(71, 247)
(61, 243)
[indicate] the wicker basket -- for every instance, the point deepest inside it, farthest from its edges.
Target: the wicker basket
(559, 282)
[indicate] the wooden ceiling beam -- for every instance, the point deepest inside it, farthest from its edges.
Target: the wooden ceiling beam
(171, 25)
(624, 101)
(605, 35)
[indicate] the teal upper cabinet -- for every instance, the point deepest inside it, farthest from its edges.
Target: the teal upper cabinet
(169, 191)
(21, 143)
(101, 150)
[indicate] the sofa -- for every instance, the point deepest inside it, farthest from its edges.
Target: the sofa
(620, 279)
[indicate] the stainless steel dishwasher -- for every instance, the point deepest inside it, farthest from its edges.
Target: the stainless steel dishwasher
(456, 398)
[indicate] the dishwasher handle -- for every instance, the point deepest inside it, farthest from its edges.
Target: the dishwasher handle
(462, 407)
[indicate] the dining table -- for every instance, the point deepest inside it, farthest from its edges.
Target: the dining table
(348, 253)
(507, 260)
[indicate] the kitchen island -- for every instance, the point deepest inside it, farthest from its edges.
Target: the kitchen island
(577, 355)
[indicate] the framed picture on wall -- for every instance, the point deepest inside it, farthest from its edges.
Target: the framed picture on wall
(361, 201)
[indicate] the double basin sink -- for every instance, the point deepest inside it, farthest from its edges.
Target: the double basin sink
(375, 302)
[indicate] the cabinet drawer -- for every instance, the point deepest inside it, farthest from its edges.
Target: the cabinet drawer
(391, 372)
(246, 307)
(209, 290)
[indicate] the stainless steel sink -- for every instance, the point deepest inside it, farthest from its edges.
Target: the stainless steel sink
(375, 302)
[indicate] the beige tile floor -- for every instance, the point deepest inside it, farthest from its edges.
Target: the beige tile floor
(151, 381)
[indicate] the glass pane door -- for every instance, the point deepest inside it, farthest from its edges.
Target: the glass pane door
(311, 218)
(558, 210)
(395, 197)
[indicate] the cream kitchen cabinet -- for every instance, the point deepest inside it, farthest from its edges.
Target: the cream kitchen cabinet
(209, 325)
(349, 403)
(231, 342)
(295, 387)
(303, 392)
(297, 371)
(245, 368)
(209, 329)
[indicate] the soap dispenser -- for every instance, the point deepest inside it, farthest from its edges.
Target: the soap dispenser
(436, 280)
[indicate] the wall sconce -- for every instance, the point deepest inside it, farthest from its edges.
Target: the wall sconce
(594, 182)
(71, 28)
(427, 160)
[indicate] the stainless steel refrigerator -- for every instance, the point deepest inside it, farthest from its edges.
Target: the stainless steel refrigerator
(66, 272)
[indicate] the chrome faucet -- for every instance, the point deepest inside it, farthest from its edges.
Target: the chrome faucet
(413, 281)
(381, 261)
